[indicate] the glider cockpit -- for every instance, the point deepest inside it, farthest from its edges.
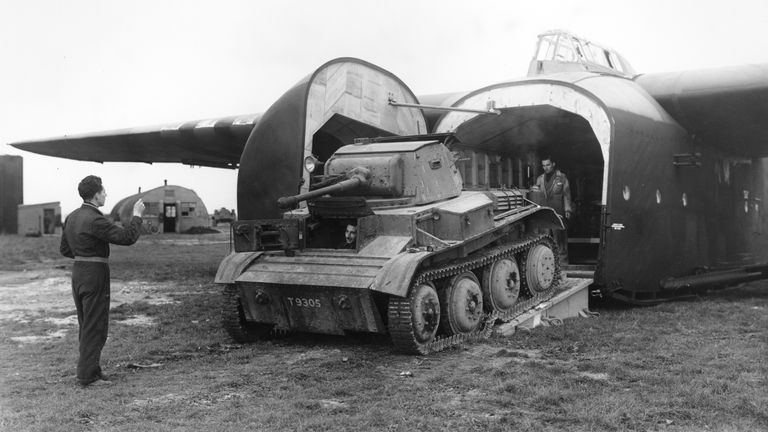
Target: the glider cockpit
(560, 51)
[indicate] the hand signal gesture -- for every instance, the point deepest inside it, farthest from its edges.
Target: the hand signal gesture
(138, 207)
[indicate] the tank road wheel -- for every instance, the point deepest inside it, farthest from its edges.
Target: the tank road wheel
(233, 319)
(461, 303)
(540, 269)
(413, 321)
(501, 285)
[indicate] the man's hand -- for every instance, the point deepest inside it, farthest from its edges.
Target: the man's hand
(568, 214)
(138, 207)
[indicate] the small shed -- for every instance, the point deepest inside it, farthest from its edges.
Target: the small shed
(169, 208)
(39, 219)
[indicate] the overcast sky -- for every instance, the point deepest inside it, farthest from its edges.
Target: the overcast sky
(90, 65)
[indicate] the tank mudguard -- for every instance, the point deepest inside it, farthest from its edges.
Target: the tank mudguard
(233, 266)
(543, 218)
(396, 275)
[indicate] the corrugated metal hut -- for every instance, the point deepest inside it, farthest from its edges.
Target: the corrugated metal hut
(169, 208)
(39, 219)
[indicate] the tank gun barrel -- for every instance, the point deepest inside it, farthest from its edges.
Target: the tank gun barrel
(357, 177)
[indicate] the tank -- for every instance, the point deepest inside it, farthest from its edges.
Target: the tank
(387, 241)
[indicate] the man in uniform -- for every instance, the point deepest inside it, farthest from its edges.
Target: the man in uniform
(553, 184)
(86, 238)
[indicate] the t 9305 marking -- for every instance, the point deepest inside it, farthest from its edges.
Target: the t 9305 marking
(303, 302)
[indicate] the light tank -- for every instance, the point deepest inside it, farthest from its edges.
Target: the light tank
(432, 265)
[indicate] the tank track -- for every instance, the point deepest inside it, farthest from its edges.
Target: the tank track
(399, 312)
(235, 324)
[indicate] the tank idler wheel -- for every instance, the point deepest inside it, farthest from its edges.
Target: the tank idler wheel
(414, 320)
(501, 285)
(461, 304)
(233, 319)
(540, 268)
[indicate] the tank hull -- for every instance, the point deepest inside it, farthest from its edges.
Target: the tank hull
(311, 308)
(330, 291)
(317, 291)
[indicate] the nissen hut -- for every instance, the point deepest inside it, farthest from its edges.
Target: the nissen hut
(169, 208)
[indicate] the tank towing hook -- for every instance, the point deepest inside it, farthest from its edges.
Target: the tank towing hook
(356, 177)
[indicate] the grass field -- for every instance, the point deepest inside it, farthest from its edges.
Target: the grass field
(692, 365)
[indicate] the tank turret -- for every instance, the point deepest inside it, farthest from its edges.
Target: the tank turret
(388, 173)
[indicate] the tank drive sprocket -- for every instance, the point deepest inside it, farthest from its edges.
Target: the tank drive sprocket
(233, 319)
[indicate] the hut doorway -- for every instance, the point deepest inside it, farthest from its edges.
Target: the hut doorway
(169, 218)
(49, 220)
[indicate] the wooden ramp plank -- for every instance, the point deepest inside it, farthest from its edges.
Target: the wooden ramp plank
(568, 303)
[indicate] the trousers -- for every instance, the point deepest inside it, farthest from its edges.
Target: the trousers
(91, 291)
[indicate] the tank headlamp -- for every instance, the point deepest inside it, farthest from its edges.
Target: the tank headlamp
(310, 163)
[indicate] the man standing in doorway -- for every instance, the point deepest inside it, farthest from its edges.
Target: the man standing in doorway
(557, 194)
(86, 238)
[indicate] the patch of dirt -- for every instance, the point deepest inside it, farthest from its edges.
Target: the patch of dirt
(159, 400)
(42, 294)
(63, 322)
(462, 399)
(138, 320)
(126, 292)
(595, 376)
(331, 404)
(193, 400)
(34, 291)
(58, 334)
(313, 355)
(499, 357)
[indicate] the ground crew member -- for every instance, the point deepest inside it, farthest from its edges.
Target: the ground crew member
(86, 238)
(557, 194)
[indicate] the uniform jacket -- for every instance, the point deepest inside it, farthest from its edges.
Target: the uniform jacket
(557, 192)
(87, 233)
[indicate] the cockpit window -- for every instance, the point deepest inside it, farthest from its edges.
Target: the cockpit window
(600, 56)
(566, 52)
(547, 46)
(559, 46)
(615, 61)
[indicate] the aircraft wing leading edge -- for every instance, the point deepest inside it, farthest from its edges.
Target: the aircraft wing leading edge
(213, 143)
